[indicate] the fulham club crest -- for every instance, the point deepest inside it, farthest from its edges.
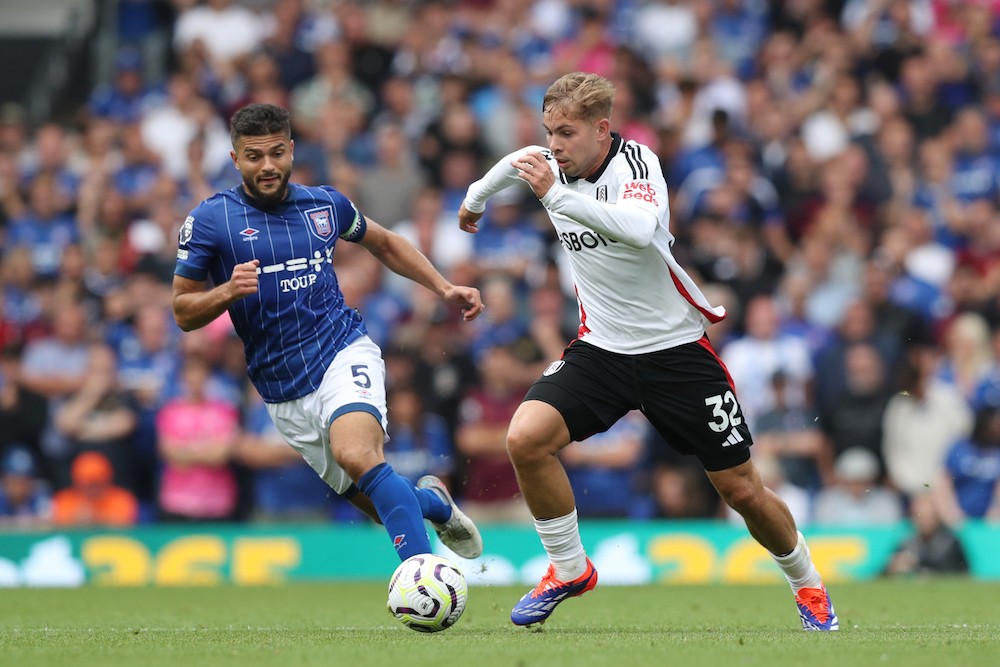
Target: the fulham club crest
(602, 193)
(554, 368)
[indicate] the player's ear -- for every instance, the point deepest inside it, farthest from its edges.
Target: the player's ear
(291, 149)
(232, 154)
(603, 128)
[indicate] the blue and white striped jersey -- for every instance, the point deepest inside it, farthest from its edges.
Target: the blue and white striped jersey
(297, 322)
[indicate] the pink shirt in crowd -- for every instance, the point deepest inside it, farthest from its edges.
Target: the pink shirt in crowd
(197, 491)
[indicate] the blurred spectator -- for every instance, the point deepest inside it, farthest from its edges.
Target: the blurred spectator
(168, 130)
(197, 436)
(906, 326)
(290, 41)
(855, 498)
(285, 488)
(967, 486)
(434, 234)
(933, 549)
(606, 470)
(259, 81)
(853, 419)
(420, 443)
(508, 242)
(25, 501)
(968, 354)
(333, 82)
(857, 327)
(127, 97)
(100, 417)
(93, 499)
(49, 157)
(56, 368)
(921, 422)
(387, 189)
(792, 437)
(681, 489)
(23, 412)
(922, 107)
(444, 372)
(755, 357)
(43, 228)
(504, 324)
(975, 168)
(488, 484)
(226, 29)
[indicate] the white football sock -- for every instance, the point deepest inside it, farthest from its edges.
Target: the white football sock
(561, 539)
(798, 567)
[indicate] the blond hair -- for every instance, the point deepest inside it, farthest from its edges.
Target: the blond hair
(580, 95)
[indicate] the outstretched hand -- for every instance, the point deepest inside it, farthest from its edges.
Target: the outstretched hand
(467, 220)
(468, 298)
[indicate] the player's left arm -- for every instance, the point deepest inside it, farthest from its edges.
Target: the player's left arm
(402, 257)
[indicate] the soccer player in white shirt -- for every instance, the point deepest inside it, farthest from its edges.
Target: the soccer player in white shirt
(641, 345)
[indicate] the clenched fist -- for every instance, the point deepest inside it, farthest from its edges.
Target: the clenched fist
(243, 282)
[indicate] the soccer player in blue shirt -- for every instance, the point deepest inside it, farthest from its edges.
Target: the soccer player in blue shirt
(267, 247)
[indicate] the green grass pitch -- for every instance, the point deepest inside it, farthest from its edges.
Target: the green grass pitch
(913, 623)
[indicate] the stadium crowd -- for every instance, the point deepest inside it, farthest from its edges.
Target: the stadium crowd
(833, 174)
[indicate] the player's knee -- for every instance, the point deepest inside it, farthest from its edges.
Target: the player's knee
(355, 461)
(523, 447)
(742, 497)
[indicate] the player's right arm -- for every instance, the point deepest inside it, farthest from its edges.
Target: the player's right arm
(501, 176)
(195, 306)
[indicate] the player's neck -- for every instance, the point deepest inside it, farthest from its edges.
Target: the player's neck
(265, 205)
(602, 157)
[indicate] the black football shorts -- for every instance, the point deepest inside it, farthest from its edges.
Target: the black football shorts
(685, 392)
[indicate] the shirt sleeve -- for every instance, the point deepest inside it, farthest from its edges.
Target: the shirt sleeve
(629, 224)
(351, 224)
(640, 203)
(196, 245)
(500, 177)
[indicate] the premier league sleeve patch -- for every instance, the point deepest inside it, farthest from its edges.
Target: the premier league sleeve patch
(186, 232)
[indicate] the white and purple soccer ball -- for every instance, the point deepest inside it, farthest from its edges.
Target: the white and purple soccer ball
(427, 593)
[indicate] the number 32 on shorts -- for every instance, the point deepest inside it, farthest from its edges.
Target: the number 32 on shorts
(724, 409)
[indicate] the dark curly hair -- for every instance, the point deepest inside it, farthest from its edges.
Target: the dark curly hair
(255, 120)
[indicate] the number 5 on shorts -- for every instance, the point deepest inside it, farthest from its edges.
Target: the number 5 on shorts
(361, 377)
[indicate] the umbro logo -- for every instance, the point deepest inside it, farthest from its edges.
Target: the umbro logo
(249, 234)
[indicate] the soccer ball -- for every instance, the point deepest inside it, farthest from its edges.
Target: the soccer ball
(427, 593)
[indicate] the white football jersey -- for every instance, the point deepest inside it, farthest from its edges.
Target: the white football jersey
(633, 296)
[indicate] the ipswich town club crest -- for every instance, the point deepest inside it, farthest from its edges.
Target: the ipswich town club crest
(321, 221)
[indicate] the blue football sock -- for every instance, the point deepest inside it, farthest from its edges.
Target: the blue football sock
(432, 506)
(397, 506)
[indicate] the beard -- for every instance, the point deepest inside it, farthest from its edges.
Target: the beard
(266, 200)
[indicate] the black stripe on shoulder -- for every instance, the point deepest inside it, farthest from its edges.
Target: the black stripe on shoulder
(628, 158)
(641, 165)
